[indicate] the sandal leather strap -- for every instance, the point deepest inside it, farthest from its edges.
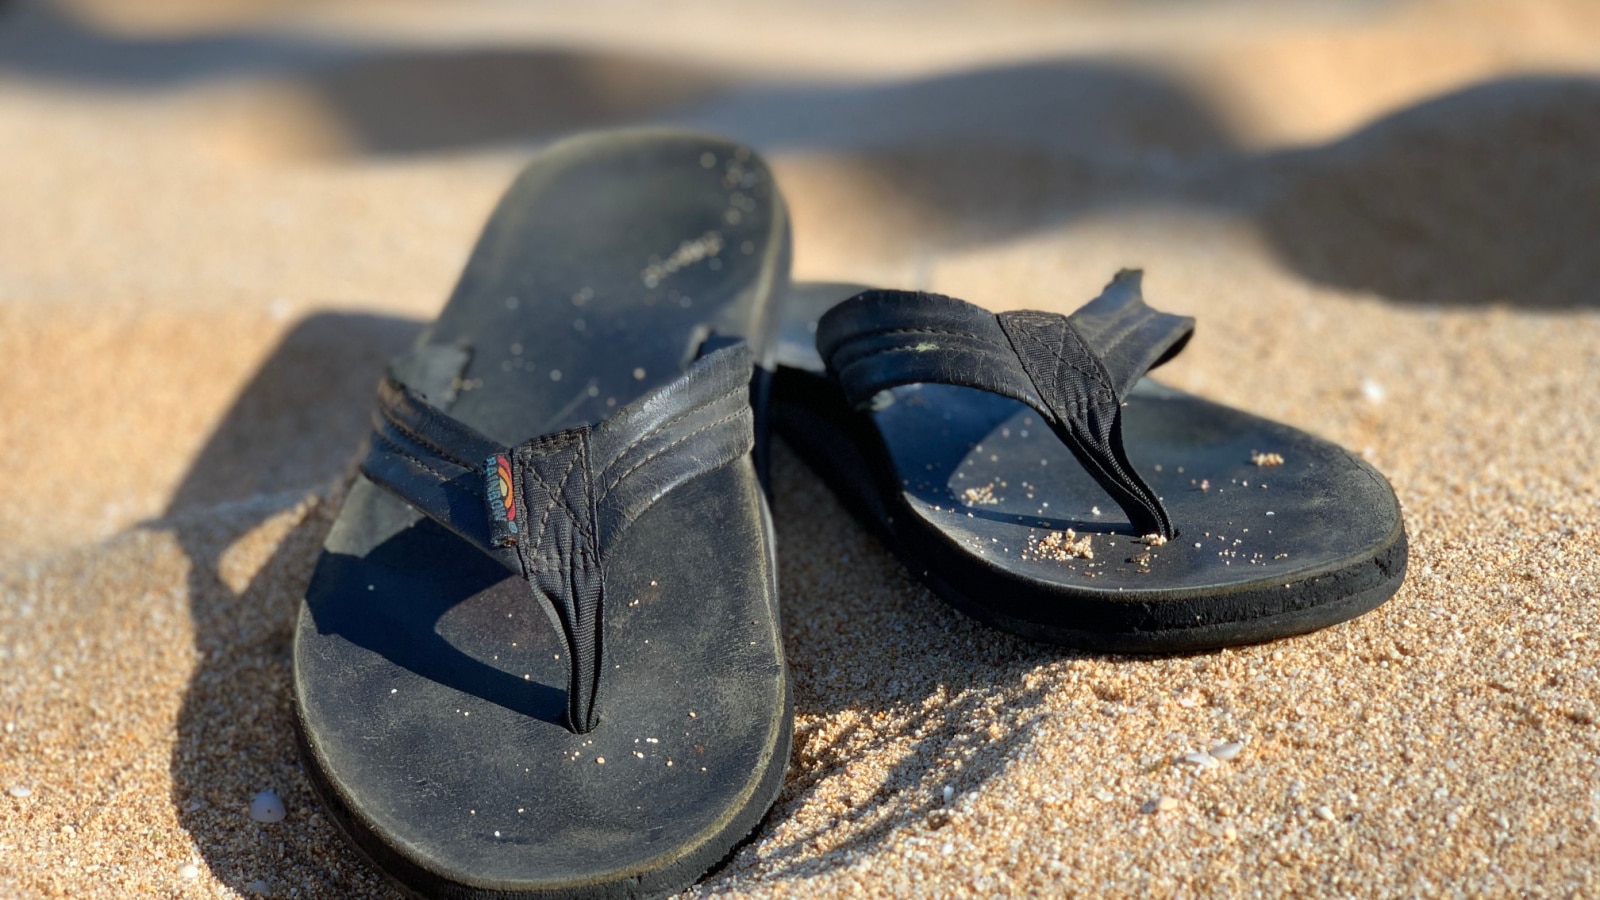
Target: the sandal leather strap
(1073, 370)
(551, 508)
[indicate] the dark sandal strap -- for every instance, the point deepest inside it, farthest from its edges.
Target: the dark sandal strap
(551, 508)
(1073, 370)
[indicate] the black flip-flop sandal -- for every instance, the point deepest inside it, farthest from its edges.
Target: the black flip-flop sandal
(1022, 466)
(540, 654)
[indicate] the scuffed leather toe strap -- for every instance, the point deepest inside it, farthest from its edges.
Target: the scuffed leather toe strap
(1073, 370)
(551, 508)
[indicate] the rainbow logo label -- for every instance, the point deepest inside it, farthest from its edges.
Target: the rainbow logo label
(500, 491)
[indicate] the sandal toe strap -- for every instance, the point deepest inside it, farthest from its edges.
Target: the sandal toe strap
(1073, 370)
(552, 507)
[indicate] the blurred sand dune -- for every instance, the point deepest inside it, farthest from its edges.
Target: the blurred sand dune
(1411, 206)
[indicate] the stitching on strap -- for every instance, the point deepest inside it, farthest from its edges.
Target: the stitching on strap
(618, 480)
(581, 522)
(681, 414)
(402, 451)
(1029, 328)
(887, 350)
(413, 435)
(911, 329)
(557, 494)
(845, 345)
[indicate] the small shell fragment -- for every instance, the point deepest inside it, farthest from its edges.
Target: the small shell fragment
(1227, 751)
(267, 806)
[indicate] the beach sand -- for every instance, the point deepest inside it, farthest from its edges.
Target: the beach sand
(218, 219)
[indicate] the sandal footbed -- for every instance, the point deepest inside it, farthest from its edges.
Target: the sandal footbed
(968, 487)
(430, 685)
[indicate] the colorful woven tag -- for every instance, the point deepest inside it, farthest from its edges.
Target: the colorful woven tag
(500, 491)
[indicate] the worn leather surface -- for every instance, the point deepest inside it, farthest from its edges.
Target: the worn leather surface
(431, 685)
(965, 484)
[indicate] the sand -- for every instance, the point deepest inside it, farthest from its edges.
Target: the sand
(217, 219)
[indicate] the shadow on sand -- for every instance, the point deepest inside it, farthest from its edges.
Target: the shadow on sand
(295, 427)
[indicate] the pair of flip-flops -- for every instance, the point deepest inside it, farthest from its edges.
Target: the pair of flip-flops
(541, 655)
